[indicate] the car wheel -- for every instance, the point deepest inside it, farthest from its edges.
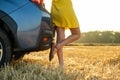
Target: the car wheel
(5, 48)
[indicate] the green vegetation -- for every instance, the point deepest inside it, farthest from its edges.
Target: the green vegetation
(105, 37)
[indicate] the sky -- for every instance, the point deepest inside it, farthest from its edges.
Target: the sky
(102, 15)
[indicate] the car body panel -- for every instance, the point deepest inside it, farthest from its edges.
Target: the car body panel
(27, 19)
(29, 25)
(12, 5)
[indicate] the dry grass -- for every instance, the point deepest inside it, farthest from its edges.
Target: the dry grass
(81, 63)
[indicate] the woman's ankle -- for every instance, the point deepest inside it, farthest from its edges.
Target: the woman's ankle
(59, 46)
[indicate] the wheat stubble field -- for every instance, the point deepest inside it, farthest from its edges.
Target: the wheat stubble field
(81, 63)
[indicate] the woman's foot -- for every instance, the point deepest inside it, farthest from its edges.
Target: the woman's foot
(59, 46)
(53, 50)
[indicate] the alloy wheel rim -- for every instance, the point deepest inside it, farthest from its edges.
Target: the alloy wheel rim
(1, 50)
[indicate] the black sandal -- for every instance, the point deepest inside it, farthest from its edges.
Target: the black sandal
(53, 47)
(51, 55)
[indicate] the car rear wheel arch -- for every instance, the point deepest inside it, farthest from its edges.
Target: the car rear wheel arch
(5, 48)
(4, 27)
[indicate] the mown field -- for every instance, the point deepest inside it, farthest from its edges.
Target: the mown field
(81, 63)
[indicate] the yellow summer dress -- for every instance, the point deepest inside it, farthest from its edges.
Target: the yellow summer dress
(63, 15)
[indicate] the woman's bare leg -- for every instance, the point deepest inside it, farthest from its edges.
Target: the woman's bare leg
(60, 38)
(75, 34)
(61, 41)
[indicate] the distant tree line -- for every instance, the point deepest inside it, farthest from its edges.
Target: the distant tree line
(100, 37)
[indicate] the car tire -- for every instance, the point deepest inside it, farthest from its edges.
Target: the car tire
(5, 49)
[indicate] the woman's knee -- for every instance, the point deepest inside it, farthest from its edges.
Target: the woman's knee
(76, 32)
(79, 34)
